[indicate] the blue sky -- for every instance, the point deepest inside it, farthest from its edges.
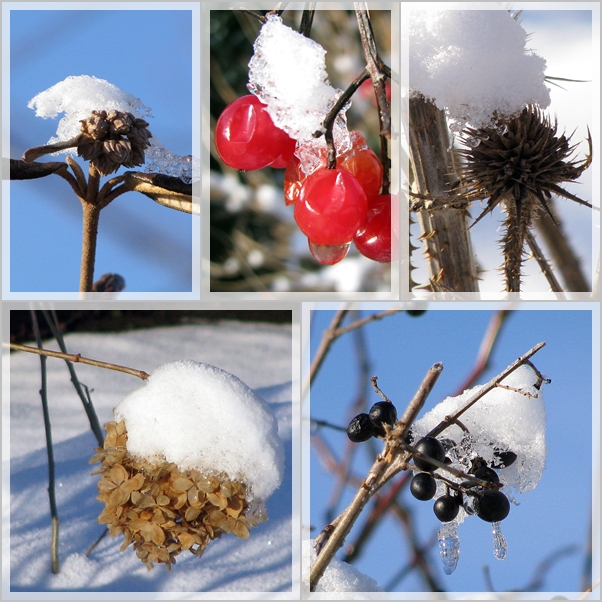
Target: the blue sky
(400, 349)
(147, 53)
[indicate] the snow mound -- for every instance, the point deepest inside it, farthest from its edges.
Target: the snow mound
(204, 418)
(509, 419)
(77, 97)
(474, 63)
(339, 578)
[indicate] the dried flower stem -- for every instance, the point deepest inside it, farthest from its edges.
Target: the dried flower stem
(444, 232)
(77, 358)
(54, 545)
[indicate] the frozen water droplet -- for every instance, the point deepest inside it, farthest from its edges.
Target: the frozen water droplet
(329, 255)
(449, 546)
(503, 129)
(500, 547)
(160, 160)
(473, 142)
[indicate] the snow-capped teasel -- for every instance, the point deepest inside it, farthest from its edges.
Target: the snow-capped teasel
(193, 454)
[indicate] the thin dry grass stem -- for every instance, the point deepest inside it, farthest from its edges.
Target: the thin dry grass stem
(63, 173)
(54, 541)
(544, 265)
(75, 358)
(108, 191)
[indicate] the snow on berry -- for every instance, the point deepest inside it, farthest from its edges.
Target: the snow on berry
(511, 418)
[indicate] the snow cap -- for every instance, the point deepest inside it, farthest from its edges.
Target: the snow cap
(203, 418)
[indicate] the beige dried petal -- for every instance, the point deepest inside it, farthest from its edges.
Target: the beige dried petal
(118, 474)
(192, 513)
(96, 458)
(240, 530)
(187, 540)
(216, 518)
(182, 484)
(163, 500)
(135, 497)
(181, 501)
(119, 497)
(235, 506)
(206, 485)
(217, 500)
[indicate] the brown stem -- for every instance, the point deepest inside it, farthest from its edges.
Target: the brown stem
(77, 358)
(444, 232)
(91, 216)
(544, 266)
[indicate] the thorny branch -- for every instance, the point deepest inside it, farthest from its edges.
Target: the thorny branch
(396, 455)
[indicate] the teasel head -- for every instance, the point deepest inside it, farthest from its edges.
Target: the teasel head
(519, 162)
(110, 140)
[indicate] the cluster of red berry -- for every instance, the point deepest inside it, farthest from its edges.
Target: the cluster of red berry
(333, 207)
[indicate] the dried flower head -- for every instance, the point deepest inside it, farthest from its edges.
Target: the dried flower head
(162, 510)
(522, 159)
(109, 140)
(519, 163)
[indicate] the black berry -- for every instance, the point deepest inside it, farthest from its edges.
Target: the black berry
(493, 507)
(446, 508)
(382, 412)
(360, 428)
(503, 459)
(423, 486)
(431, 447)
(487, 474)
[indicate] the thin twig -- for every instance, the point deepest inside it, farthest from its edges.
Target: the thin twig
(390, 462)
(54, 545)
(77, 358)
(53, 324)
(544, 266)
(448, 420)
(307, 19)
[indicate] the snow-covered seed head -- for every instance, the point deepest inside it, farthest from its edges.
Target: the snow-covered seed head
(110, 140)
(162, 510)
(521, 160)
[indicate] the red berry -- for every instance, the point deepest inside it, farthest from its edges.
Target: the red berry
(362, 162)
(288, 148)
(246, 137)
(373, 239)
(331, 207)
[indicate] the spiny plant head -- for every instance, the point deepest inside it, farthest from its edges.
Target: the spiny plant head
(520, 159)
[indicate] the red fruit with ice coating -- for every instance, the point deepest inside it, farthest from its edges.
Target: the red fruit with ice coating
(288, 148)
(373, 239)
(331, 207)
(246, 137)
(362, 162)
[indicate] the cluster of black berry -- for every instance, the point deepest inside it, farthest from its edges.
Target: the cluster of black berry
(489, 505)
(364, 426)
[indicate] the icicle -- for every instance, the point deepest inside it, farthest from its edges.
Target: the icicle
(449, 546)
(500, 547)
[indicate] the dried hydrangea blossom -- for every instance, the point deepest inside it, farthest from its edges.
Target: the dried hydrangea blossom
(110, 140)
(162, 510)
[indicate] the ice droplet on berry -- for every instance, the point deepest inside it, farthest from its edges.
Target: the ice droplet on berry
(500, 547)
(449, 546)
(328, 255)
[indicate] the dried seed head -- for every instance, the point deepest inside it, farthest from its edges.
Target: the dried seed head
(112, 139)
(163, 511)
(522, 159)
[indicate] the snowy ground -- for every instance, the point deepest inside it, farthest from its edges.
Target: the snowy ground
(258, 354)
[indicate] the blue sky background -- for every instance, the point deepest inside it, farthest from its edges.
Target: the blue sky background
(147, 53)
(400, 350)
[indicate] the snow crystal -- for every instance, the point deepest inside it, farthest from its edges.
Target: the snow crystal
(201, 417)
(503, 420)
(287, 72)
(77, 97)
(339, 577)
(474, 62)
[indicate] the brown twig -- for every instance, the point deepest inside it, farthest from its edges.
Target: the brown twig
(77, 358)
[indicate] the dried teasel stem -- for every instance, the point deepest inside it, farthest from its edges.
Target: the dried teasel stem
(444, 232)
